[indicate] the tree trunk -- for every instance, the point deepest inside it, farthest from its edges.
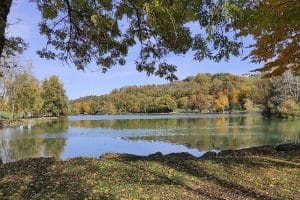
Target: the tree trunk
(13, 111)
(5, 6)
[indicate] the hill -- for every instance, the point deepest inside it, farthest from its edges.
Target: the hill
(201, 93)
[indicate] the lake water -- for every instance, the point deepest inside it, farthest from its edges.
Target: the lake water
(93, 136)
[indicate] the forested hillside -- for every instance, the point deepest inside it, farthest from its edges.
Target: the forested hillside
(200, 93)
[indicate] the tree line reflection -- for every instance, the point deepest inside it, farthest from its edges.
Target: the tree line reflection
(49, 139)
(207, 133)
(31, 141)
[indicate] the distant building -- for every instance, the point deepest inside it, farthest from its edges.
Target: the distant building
(250, 74)
(246, 75)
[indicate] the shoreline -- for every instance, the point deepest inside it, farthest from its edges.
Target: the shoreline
(8, 123)
(174, 113)
(266, 172)
(247, 151)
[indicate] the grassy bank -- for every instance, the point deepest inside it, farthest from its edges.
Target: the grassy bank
(6, 123)
(256, 173)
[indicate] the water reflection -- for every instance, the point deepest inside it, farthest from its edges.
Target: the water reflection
(32, 141)
(142, 135)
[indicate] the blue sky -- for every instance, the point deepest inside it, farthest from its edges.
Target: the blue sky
(83, 83)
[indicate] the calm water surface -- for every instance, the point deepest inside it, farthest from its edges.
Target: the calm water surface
(143, 134)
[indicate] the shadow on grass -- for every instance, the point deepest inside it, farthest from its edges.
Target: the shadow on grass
(26, 178)
(186, 163)
(46, 178)
(35, 179)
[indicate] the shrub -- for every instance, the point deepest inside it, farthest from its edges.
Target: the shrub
(248, 105)
(289, 108)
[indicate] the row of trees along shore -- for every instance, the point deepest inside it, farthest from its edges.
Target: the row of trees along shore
(23, 95)
(222, 24)
(206, 93)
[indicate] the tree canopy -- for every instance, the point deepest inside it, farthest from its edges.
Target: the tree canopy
(81, 32)
(275, 27)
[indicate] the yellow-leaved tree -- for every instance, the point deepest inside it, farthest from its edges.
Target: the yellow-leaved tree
(221, 102)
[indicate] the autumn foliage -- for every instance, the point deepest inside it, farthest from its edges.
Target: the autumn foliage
(274, 26)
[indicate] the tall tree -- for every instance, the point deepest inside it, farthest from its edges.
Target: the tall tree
(9, 81)
(27, 94)
(55, 102)
(4, 10)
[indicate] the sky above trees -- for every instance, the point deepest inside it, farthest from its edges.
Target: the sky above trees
(93, 82)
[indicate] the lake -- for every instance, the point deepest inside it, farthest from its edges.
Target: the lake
(93, 136)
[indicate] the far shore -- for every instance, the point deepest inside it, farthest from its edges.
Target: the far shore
(9, 123)
(177, 112)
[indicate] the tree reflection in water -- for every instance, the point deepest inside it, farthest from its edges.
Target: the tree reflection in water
(142, 135)
(33, 141)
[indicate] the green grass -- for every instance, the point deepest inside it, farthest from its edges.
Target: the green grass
(5, 115)
(245, 174)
